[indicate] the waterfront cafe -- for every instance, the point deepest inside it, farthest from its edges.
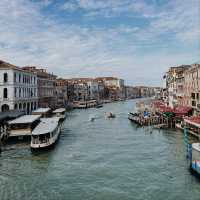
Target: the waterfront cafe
(44, 112)
(23, 126)
(193, 125)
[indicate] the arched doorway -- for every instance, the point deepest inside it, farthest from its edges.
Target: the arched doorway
(4, 107)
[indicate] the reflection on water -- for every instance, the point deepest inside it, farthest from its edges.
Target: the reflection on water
(101, 160)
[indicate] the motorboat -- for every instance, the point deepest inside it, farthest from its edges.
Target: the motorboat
(46, 133)
(110, 115)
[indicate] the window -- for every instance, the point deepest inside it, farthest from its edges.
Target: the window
(194, 103)
(5, 93)
(19, 92)
(15, 92)
(15, 77)
(15, 106)
(193, 95)
(5, 77)
(19, 78)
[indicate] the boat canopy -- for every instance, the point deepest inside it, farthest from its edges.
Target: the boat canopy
(41, 110)
(59, 110)
(25, 119)
(47, 125)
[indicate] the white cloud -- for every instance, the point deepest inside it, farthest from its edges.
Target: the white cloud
(29, 37)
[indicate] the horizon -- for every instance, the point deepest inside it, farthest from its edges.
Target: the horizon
(134, 40)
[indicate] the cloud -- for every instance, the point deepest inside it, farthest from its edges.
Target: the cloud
(139, 52)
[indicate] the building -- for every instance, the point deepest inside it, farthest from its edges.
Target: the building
(61, 93)
(18, 88)
(114, 87)
(46, 83)
(146, 91)
(191, 88)
(132, 92)
(175, 85)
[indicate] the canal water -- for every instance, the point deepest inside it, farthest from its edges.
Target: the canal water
(108, 159)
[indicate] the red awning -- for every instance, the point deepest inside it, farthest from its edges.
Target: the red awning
(182, 110)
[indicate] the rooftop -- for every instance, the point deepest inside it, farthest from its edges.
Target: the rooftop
(46, 125)
(25, 119)
(59, 110)
(41, 110)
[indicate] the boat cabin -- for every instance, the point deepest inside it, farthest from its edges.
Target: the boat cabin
(60, 112)
(44, 112)
(46, 133)
(23, 126)
(79, 104)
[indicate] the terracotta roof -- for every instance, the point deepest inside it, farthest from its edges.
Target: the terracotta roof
(5, 65)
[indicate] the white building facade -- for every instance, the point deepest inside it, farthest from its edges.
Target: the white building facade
(18, 89)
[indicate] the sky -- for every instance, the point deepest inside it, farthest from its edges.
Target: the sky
(137, 40)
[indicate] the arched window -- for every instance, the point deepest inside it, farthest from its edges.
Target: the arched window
(4, 107)
(20, 106)
(15, 106)
(5, 77)
(5, 93)
(24, 106)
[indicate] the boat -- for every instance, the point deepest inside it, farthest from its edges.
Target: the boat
(44, 112)
(22, 127)
(61, 113)
(110, 115)
(195, 158)
(99, 105)
(46, 133)
(134, 117)
(91, 103)
(80, 104)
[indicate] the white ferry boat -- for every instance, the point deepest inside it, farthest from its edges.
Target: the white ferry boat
(60, 112)
(22, 127)
(46, 133)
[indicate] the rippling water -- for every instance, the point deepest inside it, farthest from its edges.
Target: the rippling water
(108, 159)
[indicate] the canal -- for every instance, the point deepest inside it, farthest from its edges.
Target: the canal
(108, 159)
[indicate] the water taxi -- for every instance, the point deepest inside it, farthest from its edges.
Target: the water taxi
(22, 127)
(60, 112)
(44, 112)
(46, 133)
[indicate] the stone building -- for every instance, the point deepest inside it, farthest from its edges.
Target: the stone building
(115, 87)
(46, 83)
(18, 88)
(175, 81)
(61, 93)
(132, 92)
(191, 89)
